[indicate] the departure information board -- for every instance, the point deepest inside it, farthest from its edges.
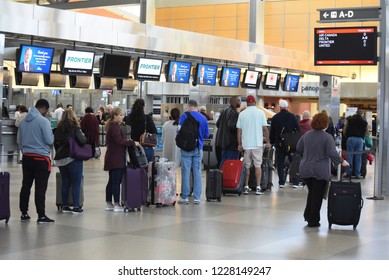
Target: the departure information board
(346, 46)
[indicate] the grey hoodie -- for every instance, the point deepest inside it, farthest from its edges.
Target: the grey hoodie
(35, 133)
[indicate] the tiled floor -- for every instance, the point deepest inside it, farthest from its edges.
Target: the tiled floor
(270, 227)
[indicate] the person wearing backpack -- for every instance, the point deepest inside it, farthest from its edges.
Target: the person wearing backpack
(193, 128)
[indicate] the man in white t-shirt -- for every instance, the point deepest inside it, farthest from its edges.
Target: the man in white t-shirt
(252, 129)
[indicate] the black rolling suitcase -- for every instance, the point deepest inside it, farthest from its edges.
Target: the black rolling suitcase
(5, 211)
(214, 182)
(345, 203)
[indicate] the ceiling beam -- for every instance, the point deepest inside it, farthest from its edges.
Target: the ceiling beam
(91, 4)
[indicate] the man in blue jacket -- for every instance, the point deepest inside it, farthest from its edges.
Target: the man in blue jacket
(192, 159)
(35, 138)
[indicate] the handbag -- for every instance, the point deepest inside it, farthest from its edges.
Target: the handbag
(148, 139)
(368, 141)
(289, 141)
(294, 170)
(79, 152)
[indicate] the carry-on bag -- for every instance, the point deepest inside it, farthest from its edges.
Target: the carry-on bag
(213, 180)
(345, 203)
(267, 172)
(59, 201)
(5, 211)
(233, 176)
(137, 156)
(162, 182)
(134, 188)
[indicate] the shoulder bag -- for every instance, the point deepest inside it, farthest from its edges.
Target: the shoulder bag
(294, 170)
(289, 140)
(148, 139)
(79, 152)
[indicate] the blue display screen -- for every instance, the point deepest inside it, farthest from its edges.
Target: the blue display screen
(291, 83)
(230, 77)
(206, 74)
(178, 72)
(35, 59)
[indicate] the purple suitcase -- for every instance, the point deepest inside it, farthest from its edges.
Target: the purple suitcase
(5, 211)
(134, 188)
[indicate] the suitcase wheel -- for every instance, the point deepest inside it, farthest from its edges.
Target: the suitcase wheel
(208, 200)
(125, 209)
(6, 221)
(239, 193)
(219, 199)
(59, 207)
(354, 227)
(139, 209)
(329, 226)
(174, 203)
(224, 193)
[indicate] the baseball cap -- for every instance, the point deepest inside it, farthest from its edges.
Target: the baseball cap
(250, 99)
(283, 103)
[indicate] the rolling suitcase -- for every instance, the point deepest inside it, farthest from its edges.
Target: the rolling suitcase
(233, 176)
(5, 211)
(58, 199)
(134, 188)
(213, 181)
(162, 182)
(267, 172)
(345, 203)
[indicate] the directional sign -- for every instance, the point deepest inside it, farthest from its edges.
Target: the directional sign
(349, 14)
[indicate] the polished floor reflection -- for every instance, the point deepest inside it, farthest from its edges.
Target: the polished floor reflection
(269, 226)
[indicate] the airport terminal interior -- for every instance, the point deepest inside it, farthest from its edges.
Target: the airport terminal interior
(269, 226)
(219, 35)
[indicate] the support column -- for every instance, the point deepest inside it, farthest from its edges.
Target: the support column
(2, 45)
(329, 96)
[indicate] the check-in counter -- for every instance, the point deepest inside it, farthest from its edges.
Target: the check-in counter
(8, 135)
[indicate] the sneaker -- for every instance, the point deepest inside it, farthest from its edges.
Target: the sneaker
(118, 208)
(66, 209)
(196, 201)
(44, 220)
(281, 186)
(109, 207)
(258, 191)
(25, 217)
(246, 190)
(77, 210)
(183, 201)
(295, 186)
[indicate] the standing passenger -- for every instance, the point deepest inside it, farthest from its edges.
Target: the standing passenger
(36, 138)
(169, 132)
(317, 148)
(226, 135)
(115, 159)
(305, 123)
(140, 123)
(71, 169)
(252, 130)
(193, 158)
(90, 126)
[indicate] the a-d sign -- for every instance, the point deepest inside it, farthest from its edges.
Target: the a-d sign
(350, 14)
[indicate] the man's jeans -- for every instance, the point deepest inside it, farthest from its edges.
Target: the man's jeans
(188, 160)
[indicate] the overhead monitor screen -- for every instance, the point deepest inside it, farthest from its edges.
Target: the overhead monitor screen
(346, 46)
(291, 83)
(77, 63)
(115, 66)
(34, 59)
(272, 81)
(148, 69)
(178, 71)
(251, 79)
(206, 74)
(230, 77)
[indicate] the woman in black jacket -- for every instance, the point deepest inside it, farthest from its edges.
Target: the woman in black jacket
(139, 123)
(71, 169)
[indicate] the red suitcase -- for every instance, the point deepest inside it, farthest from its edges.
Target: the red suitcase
(5, 211)
(233, 176)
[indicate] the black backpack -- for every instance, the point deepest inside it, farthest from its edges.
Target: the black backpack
(187, 137)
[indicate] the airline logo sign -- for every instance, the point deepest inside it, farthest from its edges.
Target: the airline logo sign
(350, 14)
(149, 67)
(79, 60)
